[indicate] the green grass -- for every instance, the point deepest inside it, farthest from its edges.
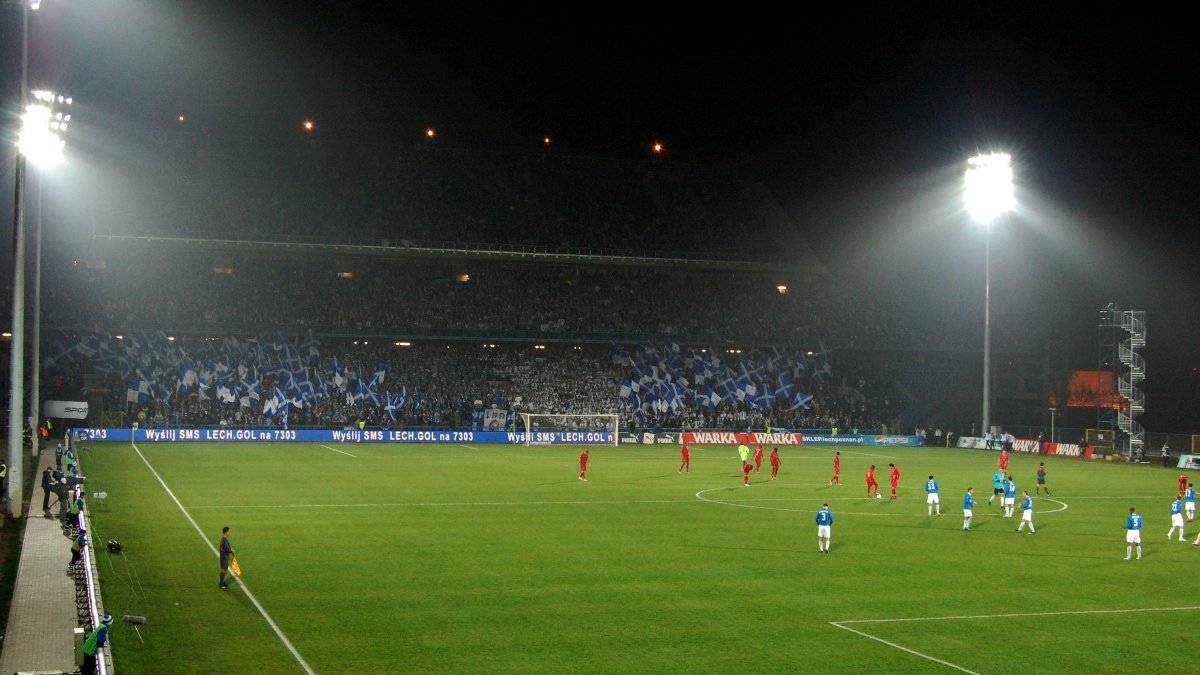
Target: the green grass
(495, 559)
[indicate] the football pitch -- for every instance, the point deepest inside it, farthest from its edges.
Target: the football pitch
(362, 558)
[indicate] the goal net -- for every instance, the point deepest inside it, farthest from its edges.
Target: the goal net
(545, 429)
(1104, 440)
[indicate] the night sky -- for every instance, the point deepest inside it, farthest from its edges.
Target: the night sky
(859, 122)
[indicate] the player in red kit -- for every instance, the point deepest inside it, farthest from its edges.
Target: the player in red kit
(837, 469)
(685, 456)
(893, 478)
(774, 463)
(1182, 485)
(758, 458)
(583, 460)
(1004, 461)
(747, 467)
(872, 484)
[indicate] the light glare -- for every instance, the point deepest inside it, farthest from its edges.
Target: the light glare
(38, 139)
(989, 188)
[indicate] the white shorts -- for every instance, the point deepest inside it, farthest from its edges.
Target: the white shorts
(1027, 515)
(1190, 507)
(1133, 536)
(968, 513)
(823, 531)
(1176, 520)
(932, 498)
(1009, 501)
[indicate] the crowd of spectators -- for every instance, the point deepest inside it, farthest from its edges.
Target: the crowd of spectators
(446, 385)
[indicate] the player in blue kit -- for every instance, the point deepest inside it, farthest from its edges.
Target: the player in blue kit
(824, 528)
(1133, 534)
(1176, 519)
(1010, 497)
(931, 496)
(1026, 513)
(1189, 502)
(997, 487)
(968, 509)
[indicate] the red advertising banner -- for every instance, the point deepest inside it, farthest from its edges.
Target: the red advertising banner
(1070, 450)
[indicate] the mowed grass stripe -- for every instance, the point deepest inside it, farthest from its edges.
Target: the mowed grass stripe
(499, 560)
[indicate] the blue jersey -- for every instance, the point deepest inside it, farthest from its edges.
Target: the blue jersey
(931, 487)
(1190, 495)
(998, 480)
(968, 501)
(1133, 522)
(1176, 507)
(1010, 489)
(1027, 503)
(824, 517)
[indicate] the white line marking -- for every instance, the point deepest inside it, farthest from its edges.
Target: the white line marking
(1024, 614)
(439, 504)
(902, 648)
(341, 451)
(842, 625)
(470, 447)
(868, 454)
(819, 499)
(271, 622)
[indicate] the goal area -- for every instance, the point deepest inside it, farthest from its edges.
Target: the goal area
(593, 429)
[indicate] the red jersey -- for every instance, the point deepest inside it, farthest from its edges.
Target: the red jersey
(895, 475)
(871, 474)
(685, 452)
(746, 469)
(1183, 480)
(837, 463)
(1003, 462)
(774, 458)
(583, 458)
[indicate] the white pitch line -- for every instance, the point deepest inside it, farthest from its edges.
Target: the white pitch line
(470, 447)
(341, 451)
(1018, 615)
(903, 648)
(441, 504)
(868, 454)
(745, 505)
(271, 622)
(842, 625)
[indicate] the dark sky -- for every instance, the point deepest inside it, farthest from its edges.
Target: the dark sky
(859, 122)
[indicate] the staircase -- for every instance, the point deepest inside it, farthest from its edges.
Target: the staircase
(1134, 372)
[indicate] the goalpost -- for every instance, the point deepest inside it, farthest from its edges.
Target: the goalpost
(582, 424)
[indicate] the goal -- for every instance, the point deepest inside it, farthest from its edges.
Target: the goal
(545, 429)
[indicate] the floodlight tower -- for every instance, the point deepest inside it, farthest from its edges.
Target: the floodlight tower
(988, 194)
(17, 353)
(57, 121)
(40, 141)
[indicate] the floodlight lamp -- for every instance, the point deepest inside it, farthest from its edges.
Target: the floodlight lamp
(35, 4)
(989, 188)
(38, 141)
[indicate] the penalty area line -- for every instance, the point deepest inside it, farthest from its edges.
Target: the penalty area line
(1020, 615)
(842, 625)
(902, 648)
(261, 610)
(341, 451)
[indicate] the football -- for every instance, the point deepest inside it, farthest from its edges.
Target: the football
(878, 496)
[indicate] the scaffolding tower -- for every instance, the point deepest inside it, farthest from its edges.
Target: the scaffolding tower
(1122, 337)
